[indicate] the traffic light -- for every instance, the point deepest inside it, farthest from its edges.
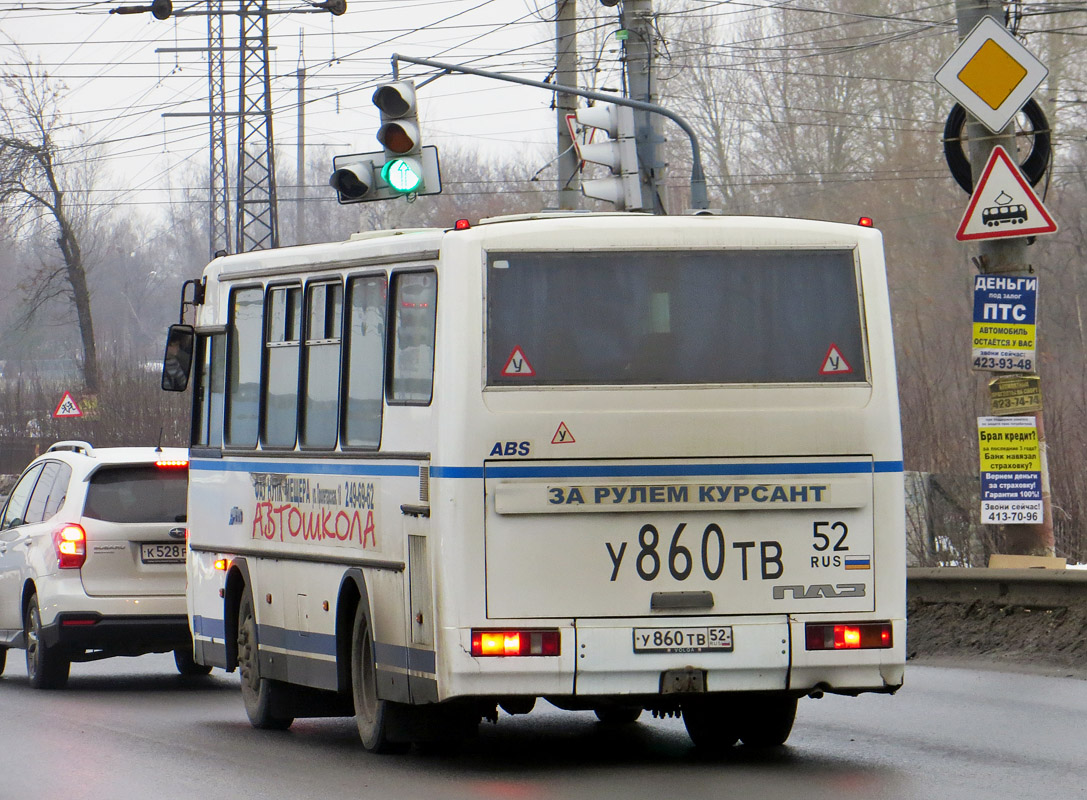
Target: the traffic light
(619, 152)
(359, 178)
(404, 170)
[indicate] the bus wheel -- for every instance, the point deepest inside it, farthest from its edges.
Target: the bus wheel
(260, 695)
(711, 724)
(618, 715)
(370, 712)
(769, 722)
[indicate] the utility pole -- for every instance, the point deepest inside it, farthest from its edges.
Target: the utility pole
(1005, 256)
(569, 177)
(636, 21)
(257, 225)
(218, 180)
(300, 156)
(258, 218)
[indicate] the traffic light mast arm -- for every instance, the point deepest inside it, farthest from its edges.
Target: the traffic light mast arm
(699, 198)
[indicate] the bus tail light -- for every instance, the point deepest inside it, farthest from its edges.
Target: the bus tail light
(70, 542)
(848, 636)
(515, 643)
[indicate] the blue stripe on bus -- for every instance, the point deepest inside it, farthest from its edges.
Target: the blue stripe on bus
(206, 626)
(391, 655)
(683, 470)
(514, 470)
(317, 468)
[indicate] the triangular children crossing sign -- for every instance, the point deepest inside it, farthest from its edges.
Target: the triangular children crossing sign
(67, 407)
(1003, 204)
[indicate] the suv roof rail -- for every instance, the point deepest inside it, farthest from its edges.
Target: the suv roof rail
(74, 445)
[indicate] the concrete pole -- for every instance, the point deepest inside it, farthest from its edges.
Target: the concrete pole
(636, 17)
(1005, 257)
(300, 160)
(569, 175)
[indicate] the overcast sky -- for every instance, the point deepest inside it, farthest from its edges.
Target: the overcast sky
(122, 81)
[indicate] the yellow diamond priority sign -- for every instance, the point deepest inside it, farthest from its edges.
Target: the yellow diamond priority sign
(991, 74)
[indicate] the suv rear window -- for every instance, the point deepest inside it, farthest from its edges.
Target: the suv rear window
(673, 317)
(137, 494)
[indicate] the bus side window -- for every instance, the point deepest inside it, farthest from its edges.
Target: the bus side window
(283, 331)
(244, 367)
(364, 370)
(412, 368)
(324, 310)
(209, 388)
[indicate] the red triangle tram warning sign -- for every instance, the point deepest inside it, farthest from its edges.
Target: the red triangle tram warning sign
(517, 365)
(1003, 204)
(67, 407)
(834, 362)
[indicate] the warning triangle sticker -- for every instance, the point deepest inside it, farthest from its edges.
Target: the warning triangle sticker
(517, 365)
(1003, 204)
(834, 362)
(67, 407)
(562, 435)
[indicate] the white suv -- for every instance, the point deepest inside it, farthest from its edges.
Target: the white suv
(92, 559)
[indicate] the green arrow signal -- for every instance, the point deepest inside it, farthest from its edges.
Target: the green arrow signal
(403, 175)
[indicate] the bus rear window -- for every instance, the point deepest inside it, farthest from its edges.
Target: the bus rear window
(673, 317)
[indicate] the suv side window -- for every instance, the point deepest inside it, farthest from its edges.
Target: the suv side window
(15, 512)
(38, 510)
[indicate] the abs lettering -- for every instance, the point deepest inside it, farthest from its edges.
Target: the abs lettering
(522, 449)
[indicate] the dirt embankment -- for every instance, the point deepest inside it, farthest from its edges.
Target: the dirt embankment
(1049, 640)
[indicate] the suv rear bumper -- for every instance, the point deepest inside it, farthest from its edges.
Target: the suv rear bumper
(117, 635)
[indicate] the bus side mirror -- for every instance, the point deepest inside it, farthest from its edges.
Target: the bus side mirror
(177, 361)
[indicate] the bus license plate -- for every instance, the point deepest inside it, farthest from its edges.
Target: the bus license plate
(162, 553)
(683, 640)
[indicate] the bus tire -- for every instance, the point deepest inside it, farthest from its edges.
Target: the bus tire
(768, 722)
(711, 724)
(259, 695)
(371, 713)
(3, 659)
(46, 667)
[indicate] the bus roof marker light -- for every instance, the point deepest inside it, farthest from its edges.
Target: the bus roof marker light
(462, 225)
(866, 222)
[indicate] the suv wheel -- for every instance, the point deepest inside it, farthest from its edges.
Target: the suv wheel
(45, 666)
(186, 664)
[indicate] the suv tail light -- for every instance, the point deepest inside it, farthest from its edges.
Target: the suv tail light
(70, 542)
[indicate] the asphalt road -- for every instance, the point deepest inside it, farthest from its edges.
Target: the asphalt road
(132, 728)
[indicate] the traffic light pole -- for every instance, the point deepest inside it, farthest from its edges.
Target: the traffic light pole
(635, 17)
(566, 72)
(1005, 256)
(699, 197)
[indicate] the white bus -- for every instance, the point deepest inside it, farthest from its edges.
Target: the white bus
(619, 462)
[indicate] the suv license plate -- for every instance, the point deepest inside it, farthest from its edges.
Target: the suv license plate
(683, 640)
(163, 553)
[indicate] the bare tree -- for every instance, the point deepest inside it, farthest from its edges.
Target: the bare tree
(34, 189)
